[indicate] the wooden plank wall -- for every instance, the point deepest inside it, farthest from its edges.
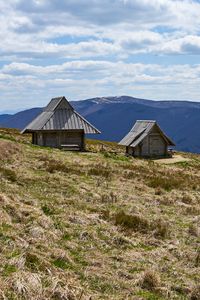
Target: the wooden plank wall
(56, 139)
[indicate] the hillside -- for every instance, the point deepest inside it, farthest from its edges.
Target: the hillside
(96, 225)
(114, 116)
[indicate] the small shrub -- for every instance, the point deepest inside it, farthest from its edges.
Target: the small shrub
(150, 280)
(135, 222)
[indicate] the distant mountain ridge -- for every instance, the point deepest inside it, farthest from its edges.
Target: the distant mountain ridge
(114, 116)
(4, 117)
(153, 103)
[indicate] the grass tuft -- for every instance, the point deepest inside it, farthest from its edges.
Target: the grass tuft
(162, 228)
(150, 280)
(101, 171)
(61, 263)
(164, 183)
(8, 174)
(134, 222)
(195, 294)
(9, 269)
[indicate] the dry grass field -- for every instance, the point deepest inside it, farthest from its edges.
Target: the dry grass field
(96, 225)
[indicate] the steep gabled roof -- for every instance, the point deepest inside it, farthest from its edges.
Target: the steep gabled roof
(60, 115)
(140, 130)
(54, 104)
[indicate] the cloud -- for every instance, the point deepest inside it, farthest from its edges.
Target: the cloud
(100, 78)
(96, 47)
(140, 41)
(107, 12)
(125, 27)
(42, 49)
(191, 44)
(186, 45)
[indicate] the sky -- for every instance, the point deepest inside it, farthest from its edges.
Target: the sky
(92, 48)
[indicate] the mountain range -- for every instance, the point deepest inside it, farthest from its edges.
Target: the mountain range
(114, 116)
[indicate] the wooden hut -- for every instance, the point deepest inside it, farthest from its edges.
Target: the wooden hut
(146, 139)
(60, 126)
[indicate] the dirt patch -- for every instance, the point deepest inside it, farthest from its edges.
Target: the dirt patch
(172, 160)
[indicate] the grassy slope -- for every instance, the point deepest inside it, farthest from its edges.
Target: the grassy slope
(96, 224)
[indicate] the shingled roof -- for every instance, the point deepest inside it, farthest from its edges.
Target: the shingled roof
(139, 131)
(60, 115)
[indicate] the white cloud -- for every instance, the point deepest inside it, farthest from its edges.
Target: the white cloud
(176, 12)
(83, 79)
(186, 45)
(123, 28)
(86, 48)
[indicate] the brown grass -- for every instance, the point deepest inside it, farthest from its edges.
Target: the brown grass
(8, 149)
(135, 222)
(96, 225)
(150, 280)
(195, 294)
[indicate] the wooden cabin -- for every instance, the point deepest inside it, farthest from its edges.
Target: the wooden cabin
(60, 126)
(146, 139)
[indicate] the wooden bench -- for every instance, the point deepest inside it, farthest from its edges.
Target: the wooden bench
(70, 147)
